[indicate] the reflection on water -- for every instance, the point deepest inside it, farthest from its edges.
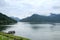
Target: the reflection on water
(35, 27)
(3, 27)
(36, 31)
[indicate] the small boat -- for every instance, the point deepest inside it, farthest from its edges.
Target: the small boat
(11, 32)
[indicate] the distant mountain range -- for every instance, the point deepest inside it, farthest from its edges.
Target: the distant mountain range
(6, 20)
(35, 18)
(15, 18)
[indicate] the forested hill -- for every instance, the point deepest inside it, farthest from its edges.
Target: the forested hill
(43, 19)
(6, 20)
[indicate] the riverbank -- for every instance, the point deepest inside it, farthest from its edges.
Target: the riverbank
(5, 36)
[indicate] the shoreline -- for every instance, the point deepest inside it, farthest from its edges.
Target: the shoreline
(11, 36)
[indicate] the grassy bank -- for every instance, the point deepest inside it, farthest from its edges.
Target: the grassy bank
(4, 36)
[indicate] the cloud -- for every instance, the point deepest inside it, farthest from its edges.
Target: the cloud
(2, 3)
(56, 7)
(24, 8)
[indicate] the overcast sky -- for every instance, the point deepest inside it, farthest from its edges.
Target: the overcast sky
(24, 8)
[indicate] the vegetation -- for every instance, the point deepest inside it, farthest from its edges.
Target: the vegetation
(6, 20)
(6, 36)
(35, 18)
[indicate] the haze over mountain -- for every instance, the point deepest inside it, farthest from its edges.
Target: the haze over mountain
(15, 18)
(43, 19)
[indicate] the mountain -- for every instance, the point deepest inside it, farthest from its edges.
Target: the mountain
(42, 19)
(34, 18)
(15, 18)
(6, 20)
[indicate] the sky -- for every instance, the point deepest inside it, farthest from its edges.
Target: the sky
(25, 8)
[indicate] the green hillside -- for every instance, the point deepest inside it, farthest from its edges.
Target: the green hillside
(4, 36)
(6, 20)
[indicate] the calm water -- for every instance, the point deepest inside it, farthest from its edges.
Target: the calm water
(36, 31)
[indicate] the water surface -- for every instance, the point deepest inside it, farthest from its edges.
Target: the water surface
(36, 31)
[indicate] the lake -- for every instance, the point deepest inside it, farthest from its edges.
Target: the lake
(36, 31)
